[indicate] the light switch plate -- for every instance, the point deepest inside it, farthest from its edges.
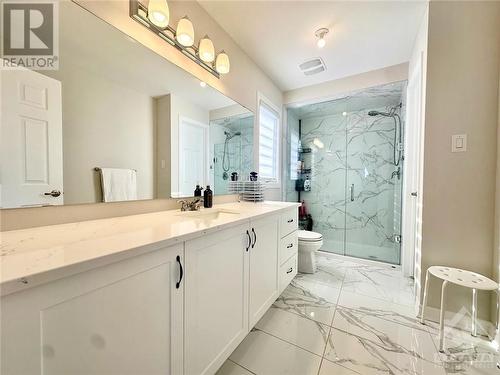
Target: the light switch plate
(459, 143)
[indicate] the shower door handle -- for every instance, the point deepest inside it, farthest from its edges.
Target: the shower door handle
(352, 192)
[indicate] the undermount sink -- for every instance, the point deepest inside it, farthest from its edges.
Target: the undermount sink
(209, 213)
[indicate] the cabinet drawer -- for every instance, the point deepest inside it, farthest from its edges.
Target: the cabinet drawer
(287, 272)
(288, 246)
(289, 222)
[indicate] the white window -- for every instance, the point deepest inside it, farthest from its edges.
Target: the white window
(268, 143)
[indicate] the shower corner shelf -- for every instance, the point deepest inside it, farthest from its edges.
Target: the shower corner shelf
(305, 150)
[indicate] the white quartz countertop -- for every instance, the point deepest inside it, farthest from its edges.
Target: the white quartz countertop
(32, 251)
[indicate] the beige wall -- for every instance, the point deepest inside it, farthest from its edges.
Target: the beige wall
(332, 89)
(461, 97)
(95, 134)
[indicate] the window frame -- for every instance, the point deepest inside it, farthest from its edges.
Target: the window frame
(272, 183)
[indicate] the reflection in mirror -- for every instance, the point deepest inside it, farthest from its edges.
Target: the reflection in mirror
(115, 122)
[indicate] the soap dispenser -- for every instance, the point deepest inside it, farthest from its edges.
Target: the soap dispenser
(197, 191)
(208, 197)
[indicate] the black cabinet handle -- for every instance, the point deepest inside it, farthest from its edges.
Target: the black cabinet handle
(290, 221)
(178, 284)
(290, 270)
(249, 241)
(289, 246)
(254, 238)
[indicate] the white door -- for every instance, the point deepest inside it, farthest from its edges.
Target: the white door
(31, 139)
(216, 299)
(411, 181)
(193, 155)
(123, 318)
(264, 283)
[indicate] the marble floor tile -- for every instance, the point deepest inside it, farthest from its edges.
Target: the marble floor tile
(305, 333)
(465, 356)
(379, 282)
(264, 354)
(231, 368)
(329, 368)
(378, 308)
(325, 274)
(370, 345)
(314, 301)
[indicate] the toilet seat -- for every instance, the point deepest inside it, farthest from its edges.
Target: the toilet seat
(307, 236)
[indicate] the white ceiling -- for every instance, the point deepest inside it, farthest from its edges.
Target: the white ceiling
(91, 44)
(279, 35)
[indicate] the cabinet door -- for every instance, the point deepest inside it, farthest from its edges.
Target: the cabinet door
(122, 318)
(264, 283)
(216, 298)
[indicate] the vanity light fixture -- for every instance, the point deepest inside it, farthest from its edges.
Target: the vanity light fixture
(156, 16)
(320, 34)
(206, 50)
(158, 13)
(185, 32)
(222, 63)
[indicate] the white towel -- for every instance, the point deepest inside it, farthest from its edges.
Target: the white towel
(118, 184)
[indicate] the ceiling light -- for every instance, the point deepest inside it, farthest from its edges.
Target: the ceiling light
(320, 34)
(185, 32)
(203, 84)
(222, 64)
(206, 50)
(344, 114)
(158, 13)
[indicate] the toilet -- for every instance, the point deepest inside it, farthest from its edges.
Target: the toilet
(309, 243)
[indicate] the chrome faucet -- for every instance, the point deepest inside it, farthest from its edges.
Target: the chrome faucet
(193, 205)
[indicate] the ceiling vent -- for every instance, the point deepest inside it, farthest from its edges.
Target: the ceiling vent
(313, 66)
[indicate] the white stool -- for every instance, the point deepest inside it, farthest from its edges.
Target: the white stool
(464, 278)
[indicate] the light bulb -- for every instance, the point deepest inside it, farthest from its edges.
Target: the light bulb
(222, 64)
(158, 13)
(206, 50)
(203, 84)
(185, 32)
(321, 42)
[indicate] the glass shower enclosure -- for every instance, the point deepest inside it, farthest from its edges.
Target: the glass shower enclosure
(346, 157)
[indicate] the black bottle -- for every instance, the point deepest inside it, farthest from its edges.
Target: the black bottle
(207, 197)
(197, 191)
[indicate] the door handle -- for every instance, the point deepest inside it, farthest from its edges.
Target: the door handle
(178, 284)
(414, 194)
(289, 270)
(249, 241)
(289, 246)
(352, 192)
(254, 238)
(53, 193)
(290, 221)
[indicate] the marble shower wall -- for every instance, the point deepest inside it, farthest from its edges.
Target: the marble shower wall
(352, 150)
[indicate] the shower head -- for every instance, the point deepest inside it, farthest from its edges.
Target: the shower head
(229, 135)
(377, 113)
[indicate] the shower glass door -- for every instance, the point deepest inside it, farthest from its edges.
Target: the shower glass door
(373, 192)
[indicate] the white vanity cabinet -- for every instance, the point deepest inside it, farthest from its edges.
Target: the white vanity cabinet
(121, 318)
(264, 282)
(231, 281)
(216, 298)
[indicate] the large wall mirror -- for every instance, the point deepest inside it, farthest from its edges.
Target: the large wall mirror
(115, 122)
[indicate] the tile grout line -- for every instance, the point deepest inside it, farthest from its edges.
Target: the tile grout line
(243, 367)
(288, 342)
